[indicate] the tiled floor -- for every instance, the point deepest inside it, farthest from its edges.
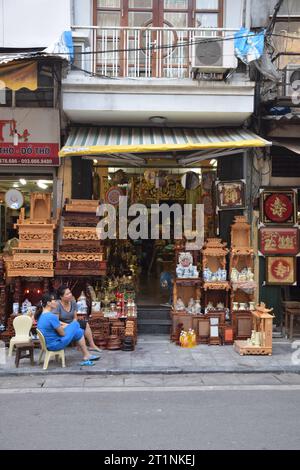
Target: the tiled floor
(156, 354)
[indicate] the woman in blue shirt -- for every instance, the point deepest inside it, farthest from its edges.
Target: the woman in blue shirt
(58, 336)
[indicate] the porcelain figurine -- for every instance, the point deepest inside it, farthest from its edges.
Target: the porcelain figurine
(197, 307)
(243, 306)
(234, 275)
(185, 268)
(251, 306)
(220, 306)
(207, 274)
(179, 305)
(250, 275)
(235, 306)
(191, 306)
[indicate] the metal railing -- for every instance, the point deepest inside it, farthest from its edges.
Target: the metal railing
(144, 52)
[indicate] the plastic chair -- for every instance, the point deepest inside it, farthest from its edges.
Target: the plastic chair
(22, 326)
(49, 354)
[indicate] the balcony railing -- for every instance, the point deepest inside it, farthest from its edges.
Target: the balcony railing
(143, 52)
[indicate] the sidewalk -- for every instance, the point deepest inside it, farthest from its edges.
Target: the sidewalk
(157, 355)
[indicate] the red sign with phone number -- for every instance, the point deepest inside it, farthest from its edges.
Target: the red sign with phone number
(29, 154)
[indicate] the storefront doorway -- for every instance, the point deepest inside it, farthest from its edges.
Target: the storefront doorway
(152, 262)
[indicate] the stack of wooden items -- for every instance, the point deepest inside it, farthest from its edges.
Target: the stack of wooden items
(81, 252)
(34, 255)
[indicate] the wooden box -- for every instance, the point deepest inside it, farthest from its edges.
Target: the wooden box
(30, 265)
(36, 236)
(242, 324)
(203, 330)
(82, 205)
(180, 321)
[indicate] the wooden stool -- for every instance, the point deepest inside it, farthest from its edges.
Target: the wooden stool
(24, 347)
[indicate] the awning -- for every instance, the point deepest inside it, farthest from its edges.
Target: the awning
(95, 141)
(290, 144)
(16, 75)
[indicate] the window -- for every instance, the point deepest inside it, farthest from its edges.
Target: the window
(177, 13)
(149, 52)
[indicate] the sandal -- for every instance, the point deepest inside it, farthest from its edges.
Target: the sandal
(94, 358)
(88, 362)
(94, 350)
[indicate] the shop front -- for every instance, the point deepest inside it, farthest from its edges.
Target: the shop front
(156, 166)
(29, 145)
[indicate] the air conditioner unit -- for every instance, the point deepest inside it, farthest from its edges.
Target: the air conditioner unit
(213, 54)
(291, 75)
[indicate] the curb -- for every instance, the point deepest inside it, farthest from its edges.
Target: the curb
(152, 371)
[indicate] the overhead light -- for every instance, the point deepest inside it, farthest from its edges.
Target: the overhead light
(41, 184)
(23, 181)
(158, 119)
(16, 138)
(214, 163)
(95, 161)
(16, 185)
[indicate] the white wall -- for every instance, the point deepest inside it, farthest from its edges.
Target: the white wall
(33, 23)
(233, 13)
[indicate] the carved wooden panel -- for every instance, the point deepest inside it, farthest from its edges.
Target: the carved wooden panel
(36, 236)
(79, 256)
(30, 265)
(80, 233)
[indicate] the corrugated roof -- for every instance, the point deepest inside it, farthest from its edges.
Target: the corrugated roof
(118, 140)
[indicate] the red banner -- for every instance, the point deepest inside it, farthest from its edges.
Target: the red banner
(29, 154)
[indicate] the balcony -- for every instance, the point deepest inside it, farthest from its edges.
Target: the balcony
(143, 52)
(137, 74)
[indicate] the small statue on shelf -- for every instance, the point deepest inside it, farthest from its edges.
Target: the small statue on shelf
(179, 307)
(185, 268)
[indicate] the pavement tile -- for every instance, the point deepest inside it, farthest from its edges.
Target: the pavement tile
(64, 381)
(221, 379)
(104, 381)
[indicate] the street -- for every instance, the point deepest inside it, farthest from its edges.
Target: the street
(170, 412)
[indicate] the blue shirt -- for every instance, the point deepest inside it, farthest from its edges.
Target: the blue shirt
(47, 324)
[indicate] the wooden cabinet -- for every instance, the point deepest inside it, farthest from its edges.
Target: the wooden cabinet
(261, 339)
(241, 269)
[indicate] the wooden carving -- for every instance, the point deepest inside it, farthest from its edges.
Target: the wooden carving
(80, 256)
(82, 205)
(40, 207)
(241, 236)
(80, 233)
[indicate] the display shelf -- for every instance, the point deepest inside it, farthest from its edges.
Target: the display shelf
(186, 289)
(243, 286)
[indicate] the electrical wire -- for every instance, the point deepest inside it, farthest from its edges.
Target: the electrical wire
(153, 47)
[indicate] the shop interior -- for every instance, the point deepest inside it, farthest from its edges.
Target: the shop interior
(26, 184)
(152, 263)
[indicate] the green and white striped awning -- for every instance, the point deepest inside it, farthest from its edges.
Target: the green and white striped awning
(95, 141)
